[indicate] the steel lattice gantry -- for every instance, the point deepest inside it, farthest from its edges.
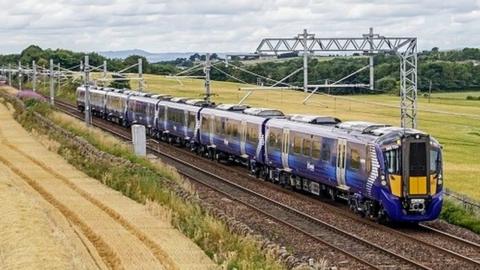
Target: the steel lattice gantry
(404, 47)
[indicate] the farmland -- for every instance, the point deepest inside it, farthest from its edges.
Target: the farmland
(449, 117)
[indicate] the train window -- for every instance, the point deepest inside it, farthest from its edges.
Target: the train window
(354, 159)
(418, 159)
(306, 147)
(228, 127)
(325, 154)
(252, 133)
(161, 112)
(218, 125)
(234, 129)
(151, 109)
(316, 148)
(297, 145)
(434, 161)
(393, 160)
(274, 139)
(191, 120)
(205, 124)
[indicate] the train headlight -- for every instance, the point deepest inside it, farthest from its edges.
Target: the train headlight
(384, 183)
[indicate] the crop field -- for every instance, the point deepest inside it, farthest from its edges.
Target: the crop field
(449, 117)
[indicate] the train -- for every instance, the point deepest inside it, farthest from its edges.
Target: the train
(386, 173)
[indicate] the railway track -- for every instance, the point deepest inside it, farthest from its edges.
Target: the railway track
(356, 248)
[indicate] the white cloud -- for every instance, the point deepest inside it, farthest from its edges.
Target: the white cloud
(233, 25)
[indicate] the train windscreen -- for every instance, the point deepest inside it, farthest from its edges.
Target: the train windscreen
(418, 159)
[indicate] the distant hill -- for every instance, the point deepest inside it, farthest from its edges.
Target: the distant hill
(152, 57)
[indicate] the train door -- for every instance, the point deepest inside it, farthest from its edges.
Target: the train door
(243, 137)
(341, 162)
(285, 147)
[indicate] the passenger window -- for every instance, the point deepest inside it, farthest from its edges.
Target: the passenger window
(235, 129)
(434, 161)
(218, 125)
(274, 139)
(325, 155)
(191, 121)
(205, 124)
(297, 145)
(307, 145)
(252, 134)
(354, 159)
(161, 112)
(316, 149)
(392, 158)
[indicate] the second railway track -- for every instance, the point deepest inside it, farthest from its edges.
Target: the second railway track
(358, 249)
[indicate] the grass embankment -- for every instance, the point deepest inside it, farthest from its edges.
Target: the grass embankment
(148, 181)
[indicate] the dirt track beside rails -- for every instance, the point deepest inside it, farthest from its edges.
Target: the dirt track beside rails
(55, 217)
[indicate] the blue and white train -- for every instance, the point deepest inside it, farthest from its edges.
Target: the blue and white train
(383, 172)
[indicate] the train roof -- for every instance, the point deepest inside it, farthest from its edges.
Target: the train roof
(197, 102)
(162, 96)
(314, 119)
(179, 99)
(361, 126)
(232, 107)
(263, 112)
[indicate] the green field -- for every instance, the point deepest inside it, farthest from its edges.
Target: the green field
(459, 134)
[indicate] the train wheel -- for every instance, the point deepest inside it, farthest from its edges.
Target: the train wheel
(382, 216)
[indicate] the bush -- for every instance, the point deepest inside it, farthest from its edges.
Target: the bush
(473, 98)
(456, 214)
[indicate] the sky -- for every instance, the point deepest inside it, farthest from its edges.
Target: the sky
(228, 25)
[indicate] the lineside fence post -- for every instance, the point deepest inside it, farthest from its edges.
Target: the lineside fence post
(20, 76)
(140, 74)
(9, 74)
(207, 77)
(34, 81)
(52, 82)
(86, 67)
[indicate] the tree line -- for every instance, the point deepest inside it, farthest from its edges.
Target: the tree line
(454, 70)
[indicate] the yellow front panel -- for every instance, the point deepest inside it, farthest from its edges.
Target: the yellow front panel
(433, 185)
(396, 185)
(418, 185)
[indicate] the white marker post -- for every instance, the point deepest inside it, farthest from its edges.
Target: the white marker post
(139, 140)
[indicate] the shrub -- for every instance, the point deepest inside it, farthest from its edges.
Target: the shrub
(456, 214)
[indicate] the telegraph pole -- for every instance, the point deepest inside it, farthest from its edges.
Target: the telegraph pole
(104, 72)
(140, 74)
(87, 91)
(52, 90)
(34, 81)
(20, 76)
(305, 36)
(370, 39)
(58, 77)
(207, 77)
(10, 74)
